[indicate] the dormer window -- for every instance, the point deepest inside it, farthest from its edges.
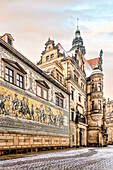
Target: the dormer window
(9, 40)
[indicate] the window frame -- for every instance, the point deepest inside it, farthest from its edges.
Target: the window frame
(72, 94)
(99, 104)
(99, 87)
(9, 69)
(58, 103)
(47, 58)
(79, 98)
(42, 90)
(20, 75)
(61, 79)
(9, 40)
(15, 72)
(52, 56)
(57, 76)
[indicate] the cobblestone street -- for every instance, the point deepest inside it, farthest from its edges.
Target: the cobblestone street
(74, 159)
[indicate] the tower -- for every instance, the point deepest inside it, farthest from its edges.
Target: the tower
(95, 107)
(78, 41)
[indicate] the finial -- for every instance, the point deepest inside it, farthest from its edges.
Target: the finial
(77, 23)
(101, 52)
(49, 39)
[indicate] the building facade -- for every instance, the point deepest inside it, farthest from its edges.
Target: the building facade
(34, 109)
(76, 74)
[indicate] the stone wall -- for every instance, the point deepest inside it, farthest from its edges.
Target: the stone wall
(12, 140)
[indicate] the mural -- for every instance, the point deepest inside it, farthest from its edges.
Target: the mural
(15, 104)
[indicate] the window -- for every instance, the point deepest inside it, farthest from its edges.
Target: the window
(60, 79)
(72, 116)
(93, 87)
(59, 99)
(13, 73)
(81, 85)
(99, 86)
(9, 41)
(47, 58)
(72, 94)
(76, 78)
(52, 56)
(42, 89)
(19, 80)
(99, 104)
(92, 105)
(9, 75)
(45, 94)
(79, 98)
(61, 103)
(39, 93)
(57, 76)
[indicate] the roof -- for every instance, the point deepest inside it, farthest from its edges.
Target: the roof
(92, 62)
(61, 49)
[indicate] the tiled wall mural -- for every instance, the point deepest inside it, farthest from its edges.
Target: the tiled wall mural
(15, 104)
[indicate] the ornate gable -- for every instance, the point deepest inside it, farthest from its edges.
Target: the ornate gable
(43, 83)
(14, 64)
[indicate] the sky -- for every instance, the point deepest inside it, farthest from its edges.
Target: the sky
(32, 22)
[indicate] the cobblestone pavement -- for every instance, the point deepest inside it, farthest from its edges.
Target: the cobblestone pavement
(76, 159)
